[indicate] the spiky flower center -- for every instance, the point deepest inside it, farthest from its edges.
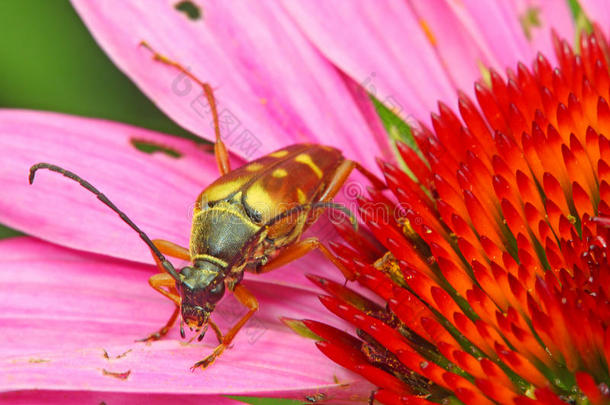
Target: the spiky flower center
(494, 269)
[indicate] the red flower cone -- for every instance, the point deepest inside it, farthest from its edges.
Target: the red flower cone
(495, 280)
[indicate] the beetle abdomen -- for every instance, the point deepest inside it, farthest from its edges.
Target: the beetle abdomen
(288, 177)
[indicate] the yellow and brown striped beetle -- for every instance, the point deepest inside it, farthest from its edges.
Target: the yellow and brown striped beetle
(249, 219)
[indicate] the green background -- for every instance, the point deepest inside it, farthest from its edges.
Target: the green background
(49, 61)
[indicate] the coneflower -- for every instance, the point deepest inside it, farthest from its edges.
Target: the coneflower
(284, 72)
(492, 254)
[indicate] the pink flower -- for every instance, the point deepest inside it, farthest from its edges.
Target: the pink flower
(282, 74)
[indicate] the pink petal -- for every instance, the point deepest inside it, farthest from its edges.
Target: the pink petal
(598, 11)
(381, 46)
(363, 101)
(61, 309)
(470, 35)
(460, 56)
(497, 26)
(157, 191)
(88, 397)
(271, 82)
(411, 54)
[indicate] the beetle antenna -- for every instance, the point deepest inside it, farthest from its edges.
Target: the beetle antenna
(321, 204)
(338, 207)
(166, 264)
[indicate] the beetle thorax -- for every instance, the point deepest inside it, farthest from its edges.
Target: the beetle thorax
(220, 232)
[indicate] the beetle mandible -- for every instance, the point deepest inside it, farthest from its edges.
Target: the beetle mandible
(249, 219)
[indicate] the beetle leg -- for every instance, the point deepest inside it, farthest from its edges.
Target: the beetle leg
(300, 249)
(341, 175)
(216, 330)
(159, 281)
(248, 300)
(165, 284)
(220, 150)
(375, 181)
(171, 249)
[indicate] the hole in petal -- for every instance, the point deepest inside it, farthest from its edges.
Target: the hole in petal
(36, 360)
(190, 9)
(529, 20)
(150, 147)
(316, 397)
(107, 356)
(120, 376)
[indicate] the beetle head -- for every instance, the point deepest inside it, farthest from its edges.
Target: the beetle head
(201, 287)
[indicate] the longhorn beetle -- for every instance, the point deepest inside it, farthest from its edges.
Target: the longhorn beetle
(249, 219)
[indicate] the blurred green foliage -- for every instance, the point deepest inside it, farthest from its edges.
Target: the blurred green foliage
(51, 62)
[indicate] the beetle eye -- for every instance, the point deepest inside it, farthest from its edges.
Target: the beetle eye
(216, 293)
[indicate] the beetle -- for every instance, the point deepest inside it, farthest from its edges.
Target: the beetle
(249, 219)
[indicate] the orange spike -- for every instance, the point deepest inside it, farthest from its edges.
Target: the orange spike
(475, 123)
(554, 193)
(487, 281)
(581, 199)
(601, 78)
(589, 103)
(528, 191)
(480, 219)
(587, 385)
(490, 108)
(530, 152)
(465, 390)
(520, 365)
(498, 392)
